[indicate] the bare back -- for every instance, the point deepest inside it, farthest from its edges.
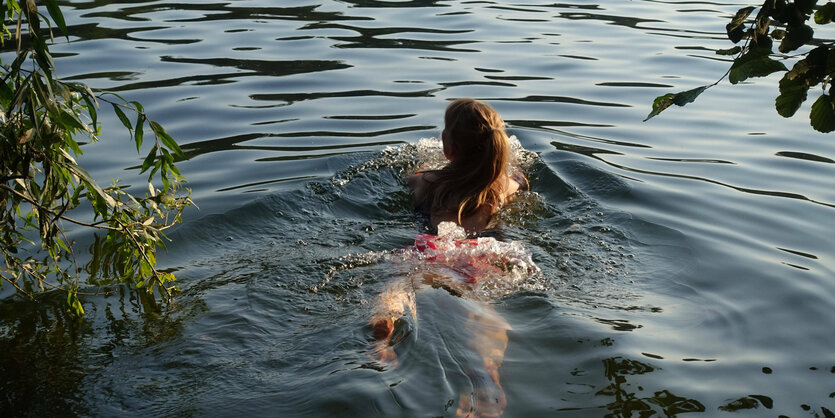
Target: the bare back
(422, 184)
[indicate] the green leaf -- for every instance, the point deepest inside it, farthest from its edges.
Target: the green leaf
(758, 31)
(70, 121)
(800, 70)
(169, 159)
(19, 61)
(679, 99)
(75, 304)
(774, 8)
(825, 14)
(144, 269)
(61, 244)
(123, 118)
(822, 116)
(818, 59)
(57, 16)
(166, 139)
(813, 69)
(168, 277)
(789, 14)
(86, 178)
(688, 96)
(735, 29)
(174, 169)
(149, 160)
(778, 34)
(91, 109)
(755, 63)
(732, 51)
(792, 95)
(42, 56)
(138, 130)
(796, 36)
(6, 95)
(660, 104)
(805, 6)
(736, 34)
(830, 61)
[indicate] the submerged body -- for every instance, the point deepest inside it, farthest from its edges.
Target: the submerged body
(464, 194)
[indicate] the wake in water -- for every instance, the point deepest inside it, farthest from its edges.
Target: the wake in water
(352, 255)
(472, 271)
(462, 275)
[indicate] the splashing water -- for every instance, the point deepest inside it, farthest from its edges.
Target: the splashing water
(425, 154)
(429, 151)
(476, 268)
(479, 268)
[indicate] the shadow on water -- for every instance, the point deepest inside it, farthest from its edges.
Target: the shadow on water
(251, 68)
(213, 12)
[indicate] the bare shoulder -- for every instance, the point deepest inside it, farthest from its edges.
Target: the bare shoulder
(514, 183)
(420, 184)
(418, 181)
(521, 179)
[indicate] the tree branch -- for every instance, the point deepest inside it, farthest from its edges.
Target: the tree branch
(147, 259)
(51, 212)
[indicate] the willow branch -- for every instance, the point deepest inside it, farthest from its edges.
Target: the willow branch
(72, 255)
(17, 31)
(17, 287)
(147, 259)
(7, 178)
(52, 285)
(52, 212)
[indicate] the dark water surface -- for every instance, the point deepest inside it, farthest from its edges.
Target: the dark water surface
(686, 262)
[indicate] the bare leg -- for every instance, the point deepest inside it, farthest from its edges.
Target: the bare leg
(484, 329)
(489, 339)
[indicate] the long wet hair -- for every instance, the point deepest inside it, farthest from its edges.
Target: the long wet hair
(470, 180)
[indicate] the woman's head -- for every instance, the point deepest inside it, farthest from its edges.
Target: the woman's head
(477, 146)
(474, 131)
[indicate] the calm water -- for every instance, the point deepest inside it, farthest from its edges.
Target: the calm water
(686, 262)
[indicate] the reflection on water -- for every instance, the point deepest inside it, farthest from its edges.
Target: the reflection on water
(49, 356)
(626, 402)
(41, 348)
(685, 262)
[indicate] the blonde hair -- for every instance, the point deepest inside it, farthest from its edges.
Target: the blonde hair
(470, 180)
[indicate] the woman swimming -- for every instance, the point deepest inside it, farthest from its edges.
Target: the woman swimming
(467, 192)
(478, 179)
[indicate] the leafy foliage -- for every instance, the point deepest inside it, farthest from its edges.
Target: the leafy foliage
(42, 187)
(756, 58)
(678, 99)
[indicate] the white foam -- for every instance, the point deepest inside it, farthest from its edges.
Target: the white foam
(483, 268)
(429, 151)
(425, 154)
(497, 268)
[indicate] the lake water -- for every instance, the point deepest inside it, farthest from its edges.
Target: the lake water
(686, 262)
